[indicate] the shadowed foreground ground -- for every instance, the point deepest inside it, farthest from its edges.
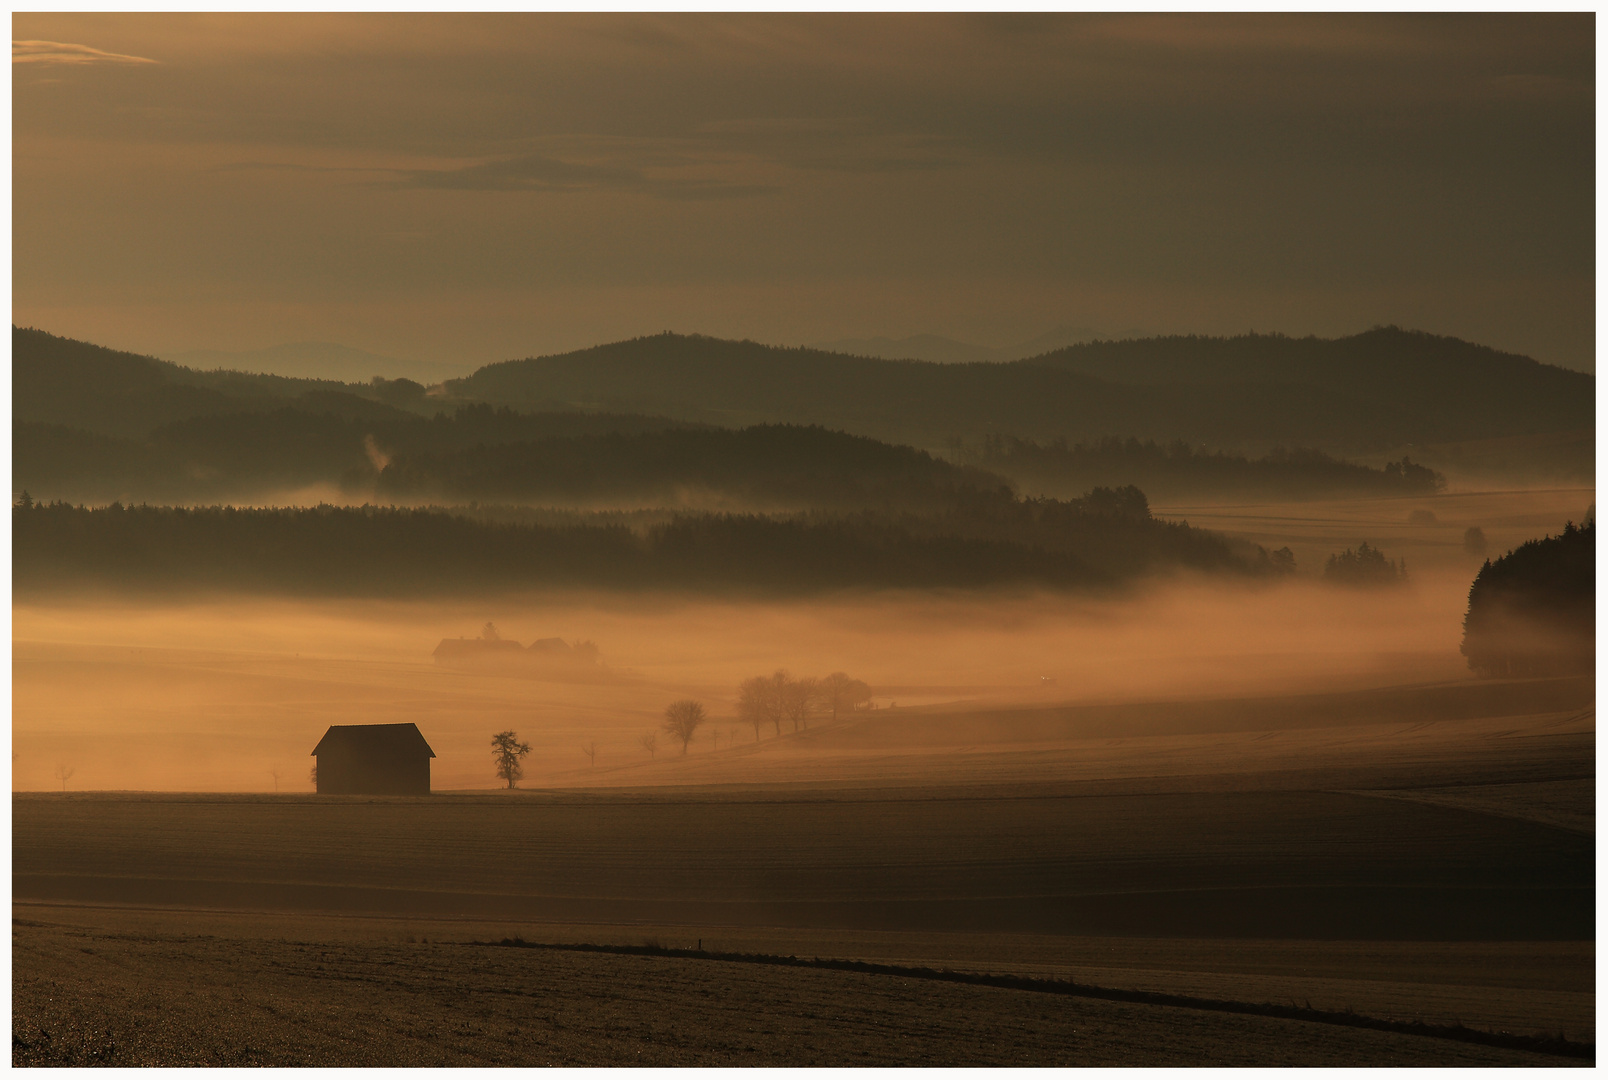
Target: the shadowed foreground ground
(1438, 872)
(85, 995)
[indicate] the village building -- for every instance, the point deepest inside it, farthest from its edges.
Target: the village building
(489, 646)
(579, 653)
(493, 651)
(373, 759)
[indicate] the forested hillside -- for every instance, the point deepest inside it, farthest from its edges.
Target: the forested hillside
(652, 419)
(768, 466)
(1533, 611)
(1181, 471)
(56, 380)
(1100, 542)
(1374, 391)
(481, 454)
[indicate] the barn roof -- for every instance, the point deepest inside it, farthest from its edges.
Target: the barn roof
(373, 738)
(470, 645)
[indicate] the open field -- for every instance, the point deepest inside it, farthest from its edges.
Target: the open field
(131, 988)
(962, 539)
(1291, 794)
(1438, 871)
(1180, 863)
(224, 694)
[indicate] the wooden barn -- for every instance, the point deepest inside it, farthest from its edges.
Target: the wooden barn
(373, 759)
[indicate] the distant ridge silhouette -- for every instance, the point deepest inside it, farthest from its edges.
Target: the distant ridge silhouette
(317, 360)
(944, 350)
(1379, 390)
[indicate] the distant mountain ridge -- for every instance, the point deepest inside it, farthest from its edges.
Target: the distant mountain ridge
(1379, 390)
(942, 350)
(57, 380)
(92, 420)
(317, 360)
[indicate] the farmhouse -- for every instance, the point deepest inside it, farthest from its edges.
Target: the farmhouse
(489, 646)
(557, 650)
(476, 650)
(373, 759)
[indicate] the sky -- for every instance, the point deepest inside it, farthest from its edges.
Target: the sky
(468, 189)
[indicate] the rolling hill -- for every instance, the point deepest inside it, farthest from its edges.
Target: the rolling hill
(1368, 393)
(95, 423)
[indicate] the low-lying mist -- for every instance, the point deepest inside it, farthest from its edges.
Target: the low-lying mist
(221, 695)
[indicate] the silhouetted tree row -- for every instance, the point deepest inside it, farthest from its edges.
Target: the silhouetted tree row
(1178, 469)
(1366, 567)
(390, 551)
(767, 465)
(1533, 611)
(1276, 563)
(318, 438)
(779, 698)
(1109, 528)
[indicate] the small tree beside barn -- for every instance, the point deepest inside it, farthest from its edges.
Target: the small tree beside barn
(506, 749)
(373, 759)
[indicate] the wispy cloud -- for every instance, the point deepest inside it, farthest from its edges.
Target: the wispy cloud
(829, 144)
(529, 172)
(535, 172)
(61, 52)
(296, 166)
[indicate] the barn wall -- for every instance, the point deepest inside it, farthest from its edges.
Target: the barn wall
(343, 772)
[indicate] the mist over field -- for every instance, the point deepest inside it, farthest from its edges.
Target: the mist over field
(215, 694)
(865, 540)
(618, 678)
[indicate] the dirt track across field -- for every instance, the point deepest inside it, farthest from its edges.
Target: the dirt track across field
(86, 995)
(1424, 872)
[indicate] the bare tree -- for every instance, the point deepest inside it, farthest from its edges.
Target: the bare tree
(64, 774)
(797, 699)
(682, 719)
(590, 750)
(756, 702)
(775, 698)
(839, 692)
(312, 776)
(506, 751)
(274, 772)
(781, 691)
(649, 741)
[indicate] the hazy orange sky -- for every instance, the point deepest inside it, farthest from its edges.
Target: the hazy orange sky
(475, 188)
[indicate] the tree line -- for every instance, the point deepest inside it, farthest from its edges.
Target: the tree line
(1099, 542)
(1533, 611)
(1178, 469)
(772, 699)
(317, 437)
(478, 453)
(779, 698)
(1365, 567)
(768, 464)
